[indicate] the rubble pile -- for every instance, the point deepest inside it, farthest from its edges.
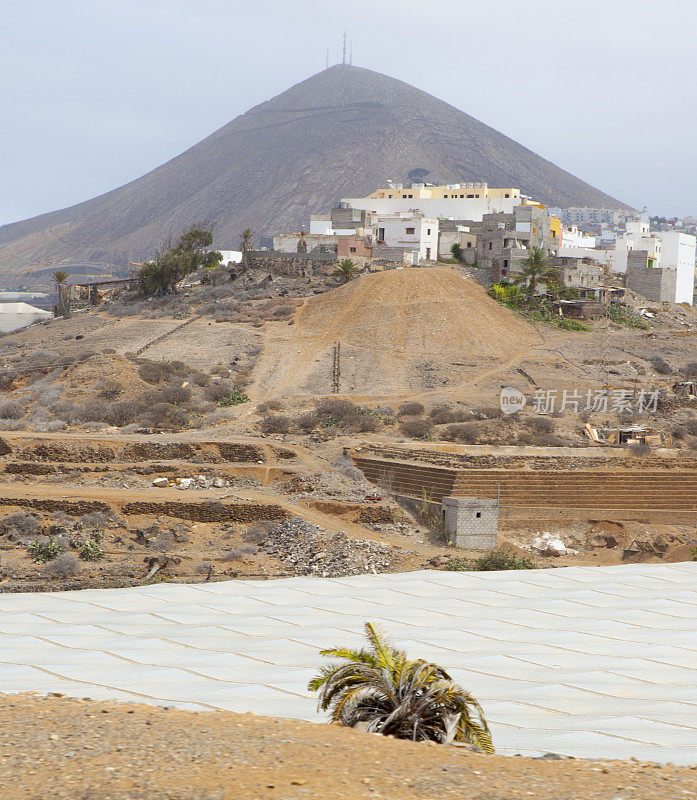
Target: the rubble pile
(204, 482)
(547, 544)
(307, 550)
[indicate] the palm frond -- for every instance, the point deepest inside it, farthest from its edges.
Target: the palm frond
(409, 699)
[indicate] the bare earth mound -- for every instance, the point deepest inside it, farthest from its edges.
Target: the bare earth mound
(400, 331)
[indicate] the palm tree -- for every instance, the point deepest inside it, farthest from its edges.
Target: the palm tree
(245, 244)
(535, 270)
(393, 696)
(346, 270)
(60, 277)
(302, 243)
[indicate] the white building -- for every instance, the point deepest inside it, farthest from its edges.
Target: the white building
(14, 316)
(450, 201)
(230, 257)
(409, 230)
(678, 252)
(571, 236)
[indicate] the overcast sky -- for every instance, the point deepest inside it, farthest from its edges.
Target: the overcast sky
(95, 93)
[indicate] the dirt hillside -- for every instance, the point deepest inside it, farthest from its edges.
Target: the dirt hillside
(400, 331)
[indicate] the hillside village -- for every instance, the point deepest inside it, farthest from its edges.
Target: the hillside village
(335, 385)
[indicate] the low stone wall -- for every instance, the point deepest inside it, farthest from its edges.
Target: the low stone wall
(76, 508)
(135, 452)
(208, 511)
(292, 264)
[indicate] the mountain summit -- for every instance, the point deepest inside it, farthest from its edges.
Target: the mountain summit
(341, 132)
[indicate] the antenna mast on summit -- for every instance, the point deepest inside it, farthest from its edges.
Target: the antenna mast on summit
(350, 51)
(343, 60)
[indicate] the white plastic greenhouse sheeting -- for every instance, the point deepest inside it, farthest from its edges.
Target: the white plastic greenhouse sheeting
(589, 662)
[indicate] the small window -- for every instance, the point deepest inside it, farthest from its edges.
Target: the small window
(469, 244)
(352, 249)
(478, 514)
(445, 197)
(491, 245)
(428, 231)
(505, 263)
(508, 195)
(410, 196)
(462, 195)
(410, 230)
(470, 195)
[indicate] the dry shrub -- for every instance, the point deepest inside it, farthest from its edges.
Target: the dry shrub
(488, 412)
(661, 366)
(11, 410)
(366, 423)
(411, 410)
(679, 432)
(200, 379)
(466, 432)
(161, 371)
(691, 426)
(20, 524)
(270, 405)
(690, 369)
(240, 552)
(95, 411)
(307, 422)
(539, 424)
(109, 389)
(415, 427)
(258, 532)
(525, 438)
(332, 410)
(72, 413)
(66, 565)
(217, 390)
(166, 416)
(125, 412)
(276, 423)
(171, 393)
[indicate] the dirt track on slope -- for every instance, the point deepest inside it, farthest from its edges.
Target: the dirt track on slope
(63, 749)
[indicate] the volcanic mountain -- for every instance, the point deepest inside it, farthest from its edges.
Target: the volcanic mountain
(342, 132)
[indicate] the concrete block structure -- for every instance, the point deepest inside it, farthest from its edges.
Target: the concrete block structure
(471, 522)
(654, 283)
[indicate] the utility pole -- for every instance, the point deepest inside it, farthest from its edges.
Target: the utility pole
(336, 370)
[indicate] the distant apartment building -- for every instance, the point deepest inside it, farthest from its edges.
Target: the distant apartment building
(587, 216)
(507, 239)
(470, 201)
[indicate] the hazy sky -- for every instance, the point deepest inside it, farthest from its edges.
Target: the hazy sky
(94, 93)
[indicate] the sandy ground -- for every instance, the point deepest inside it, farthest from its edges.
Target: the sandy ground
(55, 748)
